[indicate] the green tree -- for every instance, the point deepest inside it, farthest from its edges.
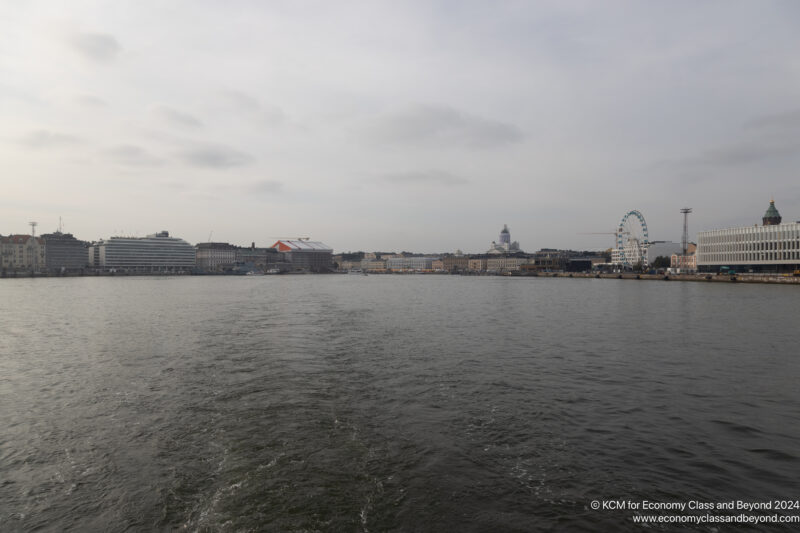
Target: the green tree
(661, 262)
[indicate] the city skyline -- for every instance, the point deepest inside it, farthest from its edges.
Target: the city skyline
(414, 126)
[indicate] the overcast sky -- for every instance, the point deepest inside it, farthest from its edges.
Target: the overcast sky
(398, 125)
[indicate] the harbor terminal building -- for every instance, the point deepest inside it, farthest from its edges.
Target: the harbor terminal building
(152, 254)
(771, 247)
(306, 255)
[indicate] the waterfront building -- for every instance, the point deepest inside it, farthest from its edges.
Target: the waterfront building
(477, 264)
(438, 265)
(22, 252)
(94, 255)
(456, 263)
(215, 256)
(65, 253)
(505, 245)
(373, 265)
(152, 254)
(258, 257)
(583, 263)
(685, 263)
(312, 256)
(771, 247)
(400, 264)
(505, 263)
(348, 265)
(550, 259)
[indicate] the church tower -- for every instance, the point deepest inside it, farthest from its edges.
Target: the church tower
(505, 235)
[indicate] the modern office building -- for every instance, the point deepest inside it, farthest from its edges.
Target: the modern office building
(152, 254)
(771, 247)
(22, 252)
(65, 253)
(312, 256)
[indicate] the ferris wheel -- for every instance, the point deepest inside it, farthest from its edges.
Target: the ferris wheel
(632, 239)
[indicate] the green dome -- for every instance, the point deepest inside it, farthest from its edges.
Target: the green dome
(771, 211)
(505, 229)
(771, 217)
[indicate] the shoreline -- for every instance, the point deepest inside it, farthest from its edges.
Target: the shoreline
(702, 277)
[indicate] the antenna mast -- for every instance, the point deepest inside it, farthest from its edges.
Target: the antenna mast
(33, 228)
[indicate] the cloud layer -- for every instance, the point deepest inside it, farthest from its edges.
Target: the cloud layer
(45, 139)
(214, 156)
(97, 47)
(437, 126)
(435, 177)
(290, 118)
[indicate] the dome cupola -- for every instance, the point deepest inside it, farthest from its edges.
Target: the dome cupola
(771, 217)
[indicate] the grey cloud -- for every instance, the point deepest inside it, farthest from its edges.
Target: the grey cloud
(431, 176)
(43, 139)
(778, 121)
(731, 155)
(242, 102)
(89, 100)
(214, 156)
(132, 155)
(742, 153)
(441, 126)
(100, 47)
(266, 187)
(271, 116)
(178, 118)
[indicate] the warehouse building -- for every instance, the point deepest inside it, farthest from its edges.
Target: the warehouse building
(305, 255)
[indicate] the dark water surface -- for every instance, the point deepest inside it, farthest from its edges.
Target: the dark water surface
(389, 403)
